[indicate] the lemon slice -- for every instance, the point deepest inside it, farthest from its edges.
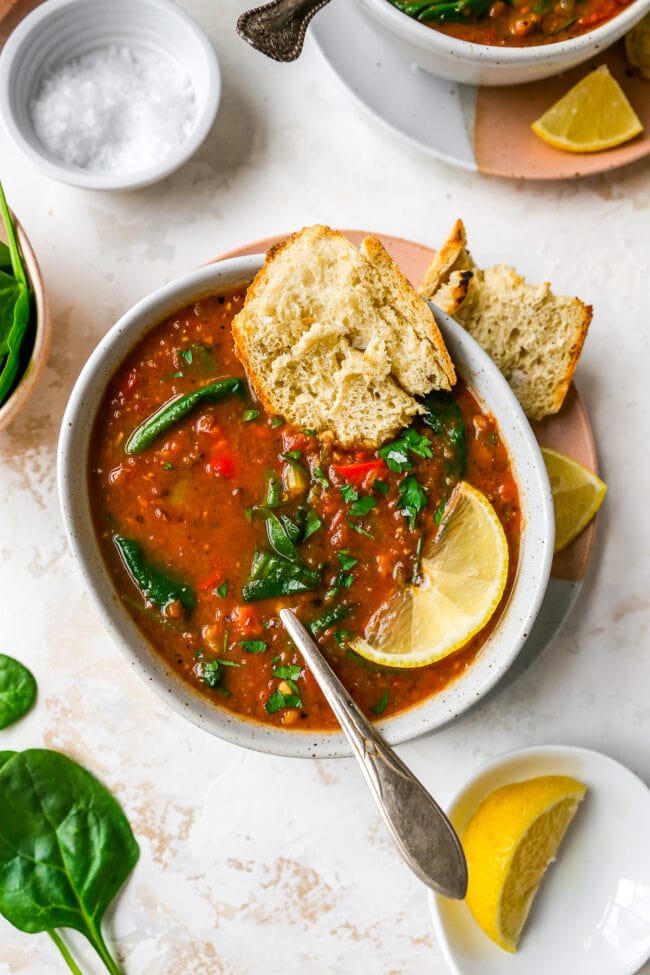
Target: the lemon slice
(637, 47)
(592, 116)
(577, 495)
(509, 842)
(464, 573)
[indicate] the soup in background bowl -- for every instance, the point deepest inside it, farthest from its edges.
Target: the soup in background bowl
(195, 504)
(508, 43)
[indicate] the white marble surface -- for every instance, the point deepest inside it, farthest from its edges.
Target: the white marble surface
(253, 864)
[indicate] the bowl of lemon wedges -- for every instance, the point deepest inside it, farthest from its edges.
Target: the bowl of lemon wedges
(558, 856)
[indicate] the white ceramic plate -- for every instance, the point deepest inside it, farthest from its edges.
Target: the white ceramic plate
(591, 915)
(484, 130)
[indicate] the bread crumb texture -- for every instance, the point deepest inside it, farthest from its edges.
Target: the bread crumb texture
(534, 336)
(337, 340)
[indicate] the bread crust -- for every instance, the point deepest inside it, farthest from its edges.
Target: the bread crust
(320, 338)
(518, 324)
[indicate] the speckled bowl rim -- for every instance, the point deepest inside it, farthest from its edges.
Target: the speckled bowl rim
(36, 21)
(496, 656)
(433, 41)
(42, 338)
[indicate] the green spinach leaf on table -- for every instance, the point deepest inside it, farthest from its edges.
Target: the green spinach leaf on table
(66, 848)
(17, 690)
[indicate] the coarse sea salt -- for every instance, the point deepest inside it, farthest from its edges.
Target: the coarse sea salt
(114, 109)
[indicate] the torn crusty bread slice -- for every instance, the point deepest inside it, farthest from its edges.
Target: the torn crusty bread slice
(337, 340)
(534, 336)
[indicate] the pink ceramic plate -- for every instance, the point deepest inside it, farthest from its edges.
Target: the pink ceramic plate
(485, 130)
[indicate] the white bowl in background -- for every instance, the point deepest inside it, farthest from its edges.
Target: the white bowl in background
(59, 30)
(499, 651)
(485, 64)
(592, 911)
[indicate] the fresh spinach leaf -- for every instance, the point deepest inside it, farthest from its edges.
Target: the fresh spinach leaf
(17, 690)
(5, 756)
(66, 848)
(346, 561)
(312, 524)
(272, 576)
(5, 257)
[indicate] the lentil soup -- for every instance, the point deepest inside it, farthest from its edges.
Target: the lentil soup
(520, 23)
(212, 515)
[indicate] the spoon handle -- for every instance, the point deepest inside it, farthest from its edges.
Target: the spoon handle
(278, 29)
(420, 829)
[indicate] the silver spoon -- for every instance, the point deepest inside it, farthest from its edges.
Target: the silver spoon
(421, 831)
(278, 29)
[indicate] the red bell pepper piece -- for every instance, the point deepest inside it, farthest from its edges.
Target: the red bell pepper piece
(360, 470)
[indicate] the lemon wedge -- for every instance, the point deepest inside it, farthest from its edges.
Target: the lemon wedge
(509, 842)
(577, 495)
(463, 575)
(592, 116)
(637, 47)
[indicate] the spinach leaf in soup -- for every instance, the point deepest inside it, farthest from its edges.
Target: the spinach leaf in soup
(17, 690)
(66, 848)
(5, 756)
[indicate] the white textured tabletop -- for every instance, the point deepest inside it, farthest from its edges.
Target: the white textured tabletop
(250, 863)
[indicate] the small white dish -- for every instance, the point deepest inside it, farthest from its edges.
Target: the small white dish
(486, 64)
(59, 30)
(591, 915)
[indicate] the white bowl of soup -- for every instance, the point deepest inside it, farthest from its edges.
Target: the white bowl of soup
(165, 521)
(505, 43)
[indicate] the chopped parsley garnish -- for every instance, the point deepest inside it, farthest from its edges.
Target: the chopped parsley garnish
(342, 636)
(381, 486)
(211, 673)
(328, 619)
(174, 375)
(319, 475)
(396, 453)
(222, 589)
(292, 455)
(349, 493)
(253, 646)
(250, 415)
(359, 530)
(168, 466)
(346, 560)
(412, 499)
(440, 512)
(381, 704)
(312, 524)
(186, 354)
(287, 671)
(284, 699)
(362, 506)
(277, 421)
(309, 433)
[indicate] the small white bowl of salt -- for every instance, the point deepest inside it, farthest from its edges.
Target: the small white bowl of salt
(108, 94)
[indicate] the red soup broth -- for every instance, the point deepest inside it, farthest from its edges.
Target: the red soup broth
(191, 502)
(525, 23)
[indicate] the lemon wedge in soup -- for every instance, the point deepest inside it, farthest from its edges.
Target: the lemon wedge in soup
(463, 576)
